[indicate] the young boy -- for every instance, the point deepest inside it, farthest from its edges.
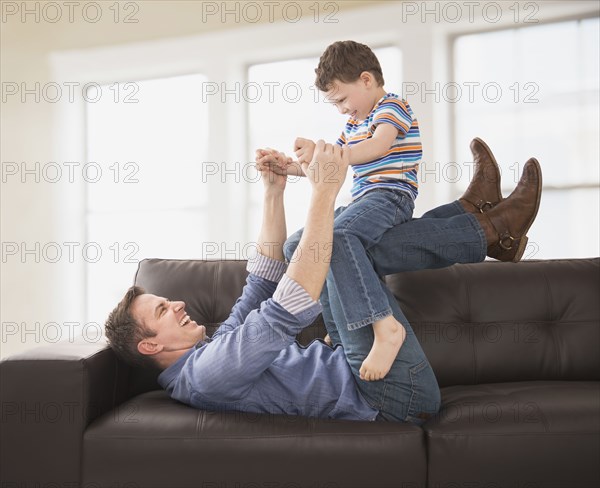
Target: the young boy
(383, 140)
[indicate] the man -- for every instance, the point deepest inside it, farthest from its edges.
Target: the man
(252, 362)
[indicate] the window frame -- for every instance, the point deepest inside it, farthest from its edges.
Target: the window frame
(149, 59)
(452, 38)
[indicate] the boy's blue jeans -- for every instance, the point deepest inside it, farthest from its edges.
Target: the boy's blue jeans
(443, 236)
(357, 228)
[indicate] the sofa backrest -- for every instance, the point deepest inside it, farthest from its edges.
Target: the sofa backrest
(488, 322)
(496, 322)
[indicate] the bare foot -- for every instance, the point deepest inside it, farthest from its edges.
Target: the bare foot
(389, 337)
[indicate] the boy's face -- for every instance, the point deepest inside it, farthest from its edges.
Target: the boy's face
(355, 99)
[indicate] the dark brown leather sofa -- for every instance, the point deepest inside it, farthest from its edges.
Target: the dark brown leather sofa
(515, 347)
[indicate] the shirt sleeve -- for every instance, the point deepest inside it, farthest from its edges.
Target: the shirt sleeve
(395, 112)
(226, 369)
(262, 281)
(341, 140)
(266, 267)
(292, 296)
(261, 285)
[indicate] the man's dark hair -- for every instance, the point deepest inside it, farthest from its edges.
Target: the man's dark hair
(345, 61)
(124, 332)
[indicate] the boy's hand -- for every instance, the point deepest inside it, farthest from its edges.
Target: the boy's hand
(327, 170)
(304, 149)
(273, 160)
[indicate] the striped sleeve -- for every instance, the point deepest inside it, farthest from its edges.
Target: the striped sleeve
(341, 140)
(291, 296)
(266, 267)
(393, 111)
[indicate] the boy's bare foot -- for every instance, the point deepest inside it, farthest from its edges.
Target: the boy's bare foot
(389, 337)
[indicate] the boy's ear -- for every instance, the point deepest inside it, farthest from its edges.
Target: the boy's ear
(367, 78)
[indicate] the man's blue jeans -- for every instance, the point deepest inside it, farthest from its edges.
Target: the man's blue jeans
(443, 236)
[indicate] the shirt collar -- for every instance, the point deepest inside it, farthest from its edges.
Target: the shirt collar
(170, 373)
(384, 97)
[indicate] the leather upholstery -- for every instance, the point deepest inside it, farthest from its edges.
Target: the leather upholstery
(166, 443)
(526, 433)
(515, 348)
(534, 320)
(49, 395)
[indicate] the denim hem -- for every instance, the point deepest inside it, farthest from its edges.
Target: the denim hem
(459, 207)
(370, 320)
(481, 234)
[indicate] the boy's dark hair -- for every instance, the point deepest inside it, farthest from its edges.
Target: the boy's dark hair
(345, 61)
(124, 332)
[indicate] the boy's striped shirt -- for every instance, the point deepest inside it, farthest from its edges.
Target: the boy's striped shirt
(398, 167)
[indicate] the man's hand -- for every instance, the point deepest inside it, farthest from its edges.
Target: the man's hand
(272, 180)
(304, 149)
(273, 231)
(274, 160)
(328, 167)
(326, 173)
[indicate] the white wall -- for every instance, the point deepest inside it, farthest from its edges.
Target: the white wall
(171, 38)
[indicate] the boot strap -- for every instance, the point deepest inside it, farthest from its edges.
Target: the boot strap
(506, 240)
(480, 204)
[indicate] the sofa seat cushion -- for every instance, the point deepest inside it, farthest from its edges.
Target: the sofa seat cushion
(522, 434)
(154, 441)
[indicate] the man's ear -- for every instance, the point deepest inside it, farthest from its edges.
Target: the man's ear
(149, 348)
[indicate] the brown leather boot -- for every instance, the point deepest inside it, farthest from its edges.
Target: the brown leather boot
(483, 192)
(506, 224)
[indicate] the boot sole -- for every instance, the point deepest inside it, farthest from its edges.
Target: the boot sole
(521, 249)
(525, 239)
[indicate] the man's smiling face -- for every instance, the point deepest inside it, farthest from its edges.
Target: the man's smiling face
(175, 331)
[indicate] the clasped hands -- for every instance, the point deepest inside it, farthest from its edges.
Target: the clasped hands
(325, 165)
(281, 164)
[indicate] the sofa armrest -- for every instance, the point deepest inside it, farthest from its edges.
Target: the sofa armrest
(48, 396)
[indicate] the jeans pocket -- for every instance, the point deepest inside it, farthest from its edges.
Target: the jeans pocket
(405, 207)
(425, 398)
(373, 392)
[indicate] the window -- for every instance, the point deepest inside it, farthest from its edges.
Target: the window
(538, 95)
(147, 140)
(297, 109)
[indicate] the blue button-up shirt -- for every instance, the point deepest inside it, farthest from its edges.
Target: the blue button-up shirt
(252, 363)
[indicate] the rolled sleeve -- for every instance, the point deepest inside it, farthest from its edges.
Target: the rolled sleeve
(292, 296)
(266, 267)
